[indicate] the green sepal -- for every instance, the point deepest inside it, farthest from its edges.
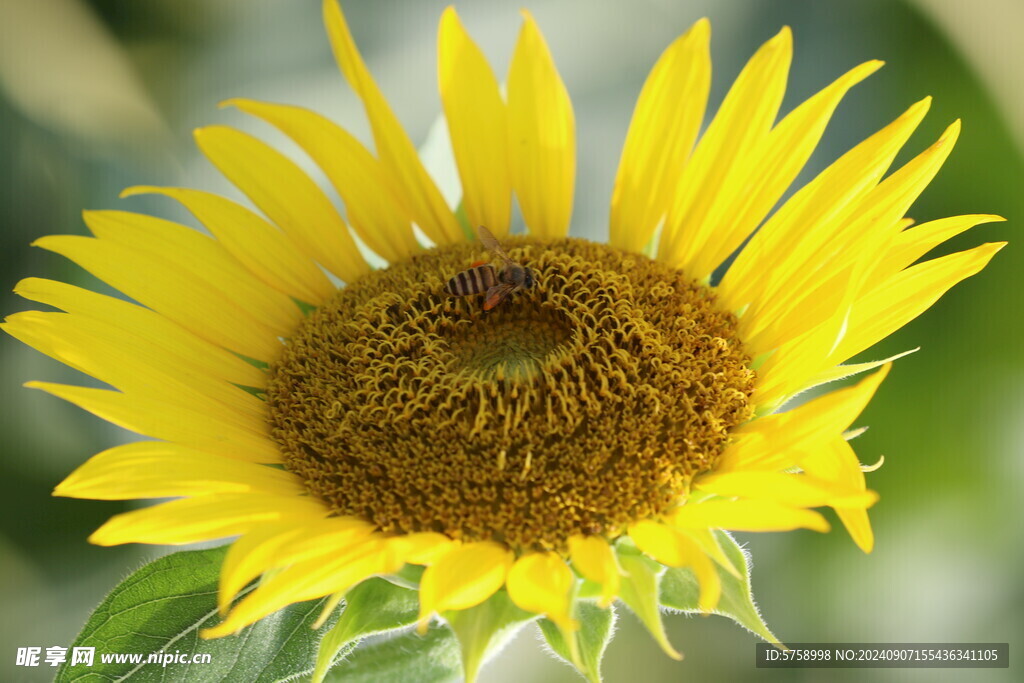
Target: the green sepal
(163, 607)
(483, 630)
(639, 590)
(372, 607)
(680, 590)
(405, 658)
(596, 629)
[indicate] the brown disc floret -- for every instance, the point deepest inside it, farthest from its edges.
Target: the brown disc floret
(578, 406)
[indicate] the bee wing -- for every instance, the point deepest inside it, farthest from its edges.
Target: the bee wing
(497, 294)
(491, 243)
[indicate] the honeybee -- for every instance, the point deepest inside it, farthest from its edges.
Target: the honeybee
(496, 285)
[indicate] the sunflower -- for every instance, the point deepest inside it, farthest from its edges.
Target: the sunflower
(563, 448)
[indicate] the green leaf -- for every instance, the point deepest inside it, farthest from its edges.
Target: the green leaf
(679, 590)
(162, 607)
(485, 629)
(405, 658)
(596, 629)
(374, 606)
(639, 591)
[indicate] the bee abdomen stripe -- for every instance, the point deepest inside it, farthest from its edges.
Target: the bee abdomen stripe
(473, 281)
(457, 285)
(486, 275)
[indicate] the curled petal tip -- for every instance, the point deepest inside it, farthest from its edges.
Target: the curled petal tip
(875, 467)
(135, 190)
(98, 538)
(701, 27)
(950, 134)
(202, 131)
(784, 36)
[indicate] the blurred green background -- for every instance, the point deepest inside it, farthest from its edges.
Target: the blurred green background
(97, 95)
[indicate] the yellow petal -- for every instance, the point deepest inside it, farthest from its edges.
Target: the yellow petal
(463, 578)
(791, 368)
(205, 518)
(259, 246)
(796, 490)
(542, 136)
(741, 124)
(417, 190)
(753, 187)
(755, 450)
(849, 259)
(776, 442)
(425, 547)
(895, 195)
(196, 257)
(477, 124)
(836, 462)
(218, 316)
(666, 120)
(908, 294)
(674, 548)
(745, 515)
(776, 259)
(663, 543)
(134, 364)
(594, 559)
(542, 583)
(911, 245)
(156, 469)
(858, 525)
(287, 196)
(307, 581)
(799, 363)
(169, 422)
(197, 357)
(270, 546)
(371, 205)
(252, 554)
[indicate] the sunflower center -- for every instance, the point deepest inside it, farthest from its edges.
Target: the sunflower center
(575, 407)
(512, 341)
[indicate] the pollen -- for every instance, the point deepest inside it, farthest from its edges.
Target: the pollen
(578, 406)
